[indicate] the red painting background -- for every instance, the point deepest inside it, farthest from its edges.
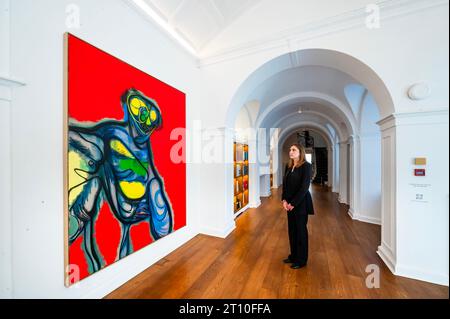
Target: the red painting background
(96, 82)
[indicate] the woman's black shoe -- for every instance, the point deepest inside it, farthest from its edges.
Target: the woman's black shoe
(288, 261)
(297, 266)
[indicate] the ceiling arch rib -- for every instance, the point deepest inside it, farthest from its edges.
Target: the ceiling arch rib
(345, 63)
(303, 79)
(355, 95)
(317, 97)
(285, 121)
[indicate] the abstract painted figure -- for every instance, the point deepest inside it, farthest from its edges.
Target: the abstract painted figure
(112, 161)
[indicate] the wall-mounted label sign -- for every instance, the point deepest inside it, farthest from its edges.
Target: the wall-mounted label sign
(419, 172)
(420, 161)
(420, 193)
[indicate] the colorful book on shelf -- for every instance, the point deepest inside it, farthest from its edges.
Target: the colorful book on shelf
(239, 155)
(238, 170)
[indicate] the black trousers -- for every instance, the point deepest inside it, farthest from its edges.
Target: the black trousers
(298, 237)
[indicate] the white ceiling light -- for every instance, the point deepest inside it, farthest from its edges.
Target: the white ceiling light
(141, 4)
(300, 110)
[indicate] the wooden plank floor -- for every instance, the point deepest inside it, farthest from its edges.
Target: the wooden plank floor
(248, 264)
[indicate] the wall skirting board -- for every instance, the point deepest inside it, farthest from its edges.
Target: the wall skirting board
(216, 232)
(367, 219)
(351, 213)
(364, 219)
(255, 204)
(421, 274)
(387, 257)
(410, 272)
(267, 194)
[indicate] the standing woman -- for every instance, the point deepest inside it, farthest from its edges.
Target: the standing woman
(297, 201)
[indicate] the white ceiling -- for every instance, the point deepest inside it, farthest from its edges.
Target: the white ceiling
(200, 21)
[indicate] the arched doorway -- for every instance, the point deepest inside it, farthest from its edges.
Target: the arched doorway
(320, 90)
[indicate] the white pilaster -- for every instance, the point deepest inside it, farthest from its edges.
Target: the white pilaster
(5, 202)
(336, 178)
(216, 217)
(6, 285)
(264, 185)
(343, 178)
(4, 37)
(369, 209)
(388, 248)
(415, 232)
(275, 159)
(254, 172)
(355, 176)
(330, 166)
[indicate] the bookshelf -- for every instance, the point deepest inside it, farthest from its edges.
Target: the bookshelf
(241, 177)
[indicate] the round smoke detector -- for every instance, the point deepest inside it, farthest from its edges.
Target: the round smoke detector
(419, 91)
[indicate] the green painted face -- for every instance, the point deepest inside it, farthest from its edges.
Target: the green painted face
(144, 113)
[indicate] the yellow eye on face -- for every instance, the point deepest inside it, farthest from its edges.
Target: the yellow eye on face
(153, 115)
(135, 106)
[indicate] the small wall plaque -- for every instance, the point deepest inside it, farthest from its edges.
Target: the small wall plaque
(420, 161)
(419, 172)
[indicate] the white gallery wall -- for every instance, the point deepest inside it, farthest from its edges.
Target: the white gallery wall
(36, 136)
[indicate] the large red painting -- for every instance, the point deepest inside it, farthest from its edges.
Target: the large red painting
(123, 189)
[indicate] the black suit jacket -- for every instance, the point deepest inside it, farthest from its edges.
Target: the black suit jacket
(296, 189)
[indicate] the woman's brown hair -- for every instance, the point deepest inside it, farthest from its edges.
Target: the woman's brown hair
(302, 157)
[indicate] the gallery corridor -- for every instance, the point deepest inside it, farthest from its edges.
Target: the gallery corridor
(248, 263)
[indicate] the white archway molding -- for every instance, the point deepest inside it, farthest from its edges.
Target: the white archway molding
(327, 57)
(322, 116)
(355, 94)
(324, 99)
